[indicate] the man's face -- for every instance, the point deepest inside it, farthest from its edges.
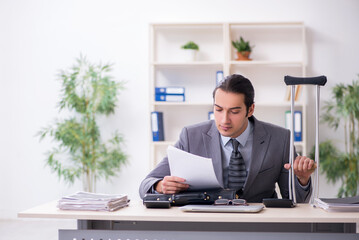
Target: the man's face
(230, 113)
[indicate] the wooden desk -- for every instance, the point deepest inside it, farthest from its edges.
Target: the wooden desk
(302, 219)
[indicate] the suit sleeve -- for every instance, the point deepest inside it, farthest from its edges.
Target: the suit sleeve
(162, 169)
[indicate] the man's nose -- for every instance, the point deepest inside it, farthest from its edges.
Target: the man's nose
(225, 118)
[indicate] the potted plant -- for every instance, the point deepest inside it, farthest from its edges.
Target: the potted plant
(191, 49)
(342, 110)
(243, 48)
(87, 92)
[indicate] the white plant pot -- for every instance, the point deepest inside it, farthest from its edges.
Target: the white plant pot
(190, 55)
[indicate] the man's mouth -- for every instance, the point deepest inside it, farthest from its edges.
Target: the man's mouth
(225, 128)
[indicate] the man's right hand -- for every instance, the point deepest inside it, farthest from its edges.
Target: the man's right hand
(171, 185)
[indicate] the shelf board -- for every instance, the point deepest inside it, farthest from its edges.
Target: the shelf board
(301, 144)
(167, 143)
(205, 104)
(234, 63)
(181, 104)
(231, 24)
(186, 64)
(163, 143)
(187, 25)
(266, 24)
(278, 104)
(267, 63)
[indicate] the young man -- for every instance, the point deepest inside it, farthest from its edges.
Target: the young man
(263, 149)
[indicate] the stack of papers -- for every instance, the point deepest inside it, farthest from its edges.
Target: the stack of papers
(93, 202)
(348, 204)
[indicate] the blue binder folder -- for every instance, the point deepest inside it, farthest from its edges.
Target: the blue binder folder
(210, 115)
(287, 119)
(169, 98)
(157, 126)
(298, 126)
(169, 90)
(298, 133)
(219, 77)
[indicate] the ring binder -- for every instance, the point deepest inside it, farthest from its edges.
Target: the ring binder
(157, 126)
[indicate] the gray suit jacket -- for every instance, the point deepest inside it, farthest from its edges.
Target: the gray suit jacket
(270, 152)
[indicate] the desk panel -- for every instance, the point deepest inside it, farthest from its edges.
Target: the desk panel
(218, 226)
(196, 235)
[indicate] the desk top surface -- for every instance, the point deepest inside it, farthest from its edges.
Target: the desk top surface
(302, 213)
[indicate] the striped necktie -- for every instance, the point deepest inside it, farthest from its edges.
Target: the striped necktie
(237, 169)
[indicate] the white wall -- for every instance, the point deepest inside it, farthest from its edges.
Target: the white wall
(40, 37)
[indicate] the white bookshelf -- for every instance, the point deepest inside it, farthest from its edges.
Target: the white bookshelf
(280, 49)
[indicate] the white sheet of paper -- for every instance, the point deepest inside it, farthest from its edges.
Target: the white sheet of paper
(198, 171)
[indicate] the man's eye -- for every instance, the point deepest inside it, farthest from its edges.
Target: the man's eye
(235, 112)
(218, 109)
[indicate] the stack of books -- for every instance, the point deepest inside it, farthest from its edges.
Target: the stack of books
(93, 202)
(170, 94)
(348, 204)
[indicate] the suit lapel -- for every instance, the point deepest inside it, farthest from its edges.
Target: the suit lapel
(213, 150)
(260, 145)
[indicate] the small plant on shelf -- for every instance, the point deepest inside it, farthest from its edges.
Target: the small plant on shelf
(191, 49)
(243, 48)
(191, 45)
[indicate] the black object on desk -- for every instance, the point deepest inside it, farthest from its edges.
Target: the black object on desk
(278, 203)
(154, 200)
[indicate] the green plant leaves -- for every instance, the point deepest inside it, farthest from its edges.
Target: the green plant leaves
(343, 110)
(87, 92)
(242, 46)
(190, 45)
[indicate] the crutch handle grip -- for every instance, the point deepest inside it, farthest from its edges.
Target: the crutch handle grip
(320, 80)
(312, 168)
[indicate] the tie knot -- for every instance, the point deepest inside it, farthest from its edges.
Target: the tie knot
(235, 144)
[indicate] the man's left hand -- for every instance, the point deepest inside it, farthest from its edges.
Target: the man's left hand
(303, 167)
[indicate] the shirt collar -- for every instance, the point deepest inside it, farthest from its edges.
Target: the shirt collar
(242, 139)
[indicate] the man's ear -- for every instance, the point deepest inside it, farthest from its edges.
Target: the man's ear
(250, 110)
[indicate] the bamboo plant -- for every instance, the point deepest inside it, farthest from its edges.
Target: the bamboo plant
(342, 111)
(87, 92)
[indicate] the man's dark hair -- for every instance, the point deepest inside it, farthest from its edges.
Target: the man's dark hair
(236, 83)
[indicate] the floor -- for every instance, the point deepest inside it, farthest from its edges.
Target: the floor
(31, 229)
